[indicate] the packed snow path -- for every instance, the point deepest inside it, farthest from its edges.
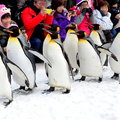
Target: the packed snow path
(88, 100)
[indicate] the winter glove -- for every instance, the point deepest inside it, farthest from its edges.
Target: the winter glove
(14, 31)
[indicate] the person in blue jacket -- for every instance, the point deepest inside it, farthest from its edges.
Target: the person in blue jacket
(62, 17)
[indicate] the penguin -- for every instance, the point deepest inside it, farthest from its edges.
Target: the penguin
(70, 46)
(19, 54)
(99, 39)
(51, 27)
(90, 62)
(115, 65)
(5, 76)
(59, 72)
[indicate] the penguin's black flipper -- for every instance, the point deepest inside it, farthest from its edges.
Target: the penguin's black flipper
(106, 45)
(106, 51)
(40, 56)
(13, 67)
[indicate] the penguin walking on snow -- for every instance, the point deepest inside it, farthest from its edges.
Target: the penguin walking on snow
(59, 72)
(99, 39)
(90, 62)
(5, 76)
(115, 65)
(20, 55)
(70, 46)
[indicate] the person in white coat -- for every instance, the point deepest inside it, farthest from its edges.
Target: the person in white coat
(101, 16)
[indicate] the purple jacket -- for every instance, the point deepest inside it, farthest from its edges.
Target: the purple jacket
(62, 21)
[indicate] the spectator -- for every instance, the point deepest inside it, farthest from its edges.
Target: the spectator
(115, 16)
(5, 22)
(32, 16)
(61, 17)
(101, 16)
(12, 4)
(84, 16)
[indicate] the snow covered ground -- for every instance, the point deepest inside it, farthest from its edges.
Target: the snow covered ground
(88, 100)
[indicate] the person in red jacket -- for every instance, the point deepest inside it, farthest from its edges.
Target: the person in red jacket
(32, 16)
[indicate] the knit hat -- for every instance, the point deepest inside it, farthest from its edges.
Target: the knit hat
(56, 3)
(80, 1)
(3, 10)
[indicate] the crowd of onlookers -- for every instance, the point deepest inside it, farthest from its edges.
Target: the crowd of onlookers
(30, 13)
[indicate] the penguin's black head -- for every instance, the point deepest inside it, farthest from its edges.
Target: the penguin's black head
(51, 27)
(96, 27)
(54, 27)
(13, 31)
(71, 26)
(53, 34)
(80, 34)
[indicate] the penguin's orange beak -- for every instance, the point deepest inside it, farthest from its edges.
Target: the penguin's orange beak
(9, 31)
(74, 33)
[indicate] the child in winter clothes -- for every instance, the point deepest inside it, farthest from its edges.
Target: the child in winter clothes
(62, 18)
(115, 16)
(5, 22)
(101, 16)
(84, 16)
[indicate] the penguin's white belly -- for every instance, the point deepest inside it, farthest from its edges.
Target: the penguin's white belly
(115, 49)
(5, 87)
(90, 64)
(59, 73)
(16, 54)
(71, 48)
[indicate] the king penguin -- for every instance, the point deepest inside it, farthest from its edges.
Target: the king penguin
(5, 76)
(90, 62)
(59, 72)
(99, 39)
(20, 55)
(70, 46)
(115, 65)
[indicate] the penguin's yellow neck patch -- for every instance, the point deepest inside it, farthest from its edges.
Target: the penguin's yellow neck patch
(52, 41)
(94, 31)
(48, 36)
(71, 30)
(12, 39)
(82, 40)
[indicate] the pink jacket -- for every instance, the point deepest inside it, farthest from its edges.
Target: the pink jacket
(82, 21)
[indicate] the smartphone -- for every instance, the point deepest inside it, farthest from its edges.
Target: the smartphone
(48, 11)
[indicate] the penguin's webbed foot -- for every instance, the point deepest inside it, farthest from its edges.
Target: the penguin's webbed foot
(51, 89)
(100, 80)
(115, 76)
(66, 92)
(22, 88)
(7, 103)
(81, 79)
